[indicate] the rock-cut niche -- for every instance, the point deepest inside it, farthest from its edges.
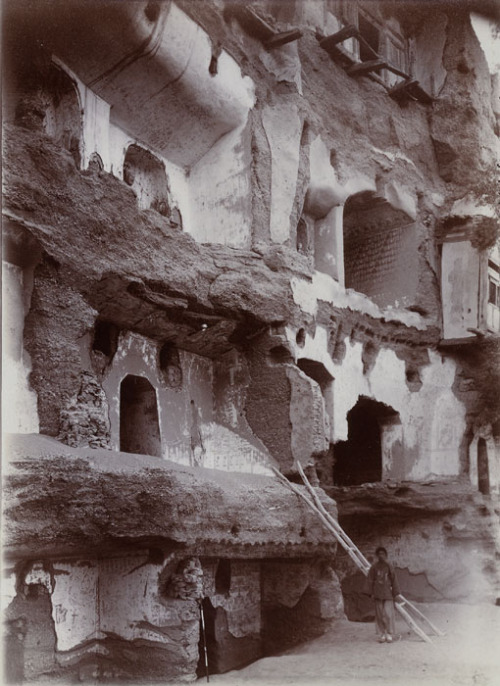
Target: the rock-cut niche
(139, 425)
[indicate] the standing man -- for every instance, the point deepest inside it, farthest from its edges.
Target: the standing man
(383, 588)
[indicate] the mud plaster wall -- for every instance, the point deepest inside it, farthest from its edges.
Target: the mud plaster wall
(462, 158)
(95, 121)
(309, 418)
(90, 609)
(283, 128)
(424, 453)
(97, 607)
(429, 47)
(300, 600)
(190, 431)
(119, 142)
(220, 192)
(58, 318)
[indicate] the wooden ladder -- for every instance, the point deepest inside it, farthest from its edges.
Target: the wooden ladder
(405, 608)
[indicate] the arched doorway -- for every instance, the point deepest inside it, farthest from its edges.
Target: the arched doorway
(359, 459)
(483, 472)
(139, 425)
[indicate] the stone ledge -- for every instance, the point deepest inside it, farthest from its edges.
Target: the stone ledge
(406, 499)
(63, 501)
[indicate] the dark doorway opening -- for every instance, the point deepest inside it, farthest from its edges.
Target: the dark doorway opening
(483, 472)
(359, 459)
(105, 338)
(139, 425)
(223, 577)
(315, 371)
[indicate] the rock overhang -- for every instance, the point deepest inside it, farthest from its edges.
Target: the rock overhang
(96, 501)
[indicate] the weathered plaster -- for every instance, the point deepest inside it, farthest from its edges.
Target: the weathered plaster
(19, 401)
(120, 140)
(93, 599)
(190, 433)
(220, 194)
(284, 63)
(283, 128)
(429, 50)
(308, 416)
(459, 289)
(95, 113)
(323, 287)
(401, 198)
(421, 454)
(243, 602)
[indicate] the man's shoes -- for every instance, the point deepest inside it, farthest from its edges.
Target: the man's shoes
(382, 639)
(388, 638)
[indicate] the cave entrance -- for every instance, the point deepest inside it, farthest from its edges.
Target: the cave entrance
(359, 460)
(139, 425)
(483, 472)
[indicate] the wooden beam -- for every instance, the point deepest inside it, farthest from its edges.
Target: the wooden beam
(344, 34)
(258, 28)
(410, 90)
(397, 71)
(363, 68)
(251, 22)
(283, 38)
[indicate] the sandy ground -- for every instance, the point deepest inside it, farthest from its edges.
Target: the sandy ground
(349, 655)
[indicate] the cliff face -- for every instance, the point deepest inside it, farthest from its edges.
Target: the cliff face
(232, 243)
(111, 554)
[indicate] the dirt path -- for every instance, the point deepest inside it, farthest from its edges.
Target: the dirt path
(469, 655)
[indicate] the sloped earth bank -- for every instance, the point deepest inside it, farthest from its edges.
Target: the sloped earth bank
(348, 655)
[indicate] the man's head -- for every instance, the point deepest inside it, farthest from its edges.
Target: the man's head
(381, 554)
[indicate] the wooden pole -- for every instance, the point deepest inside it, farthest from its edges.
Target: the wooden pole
(204, 637)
